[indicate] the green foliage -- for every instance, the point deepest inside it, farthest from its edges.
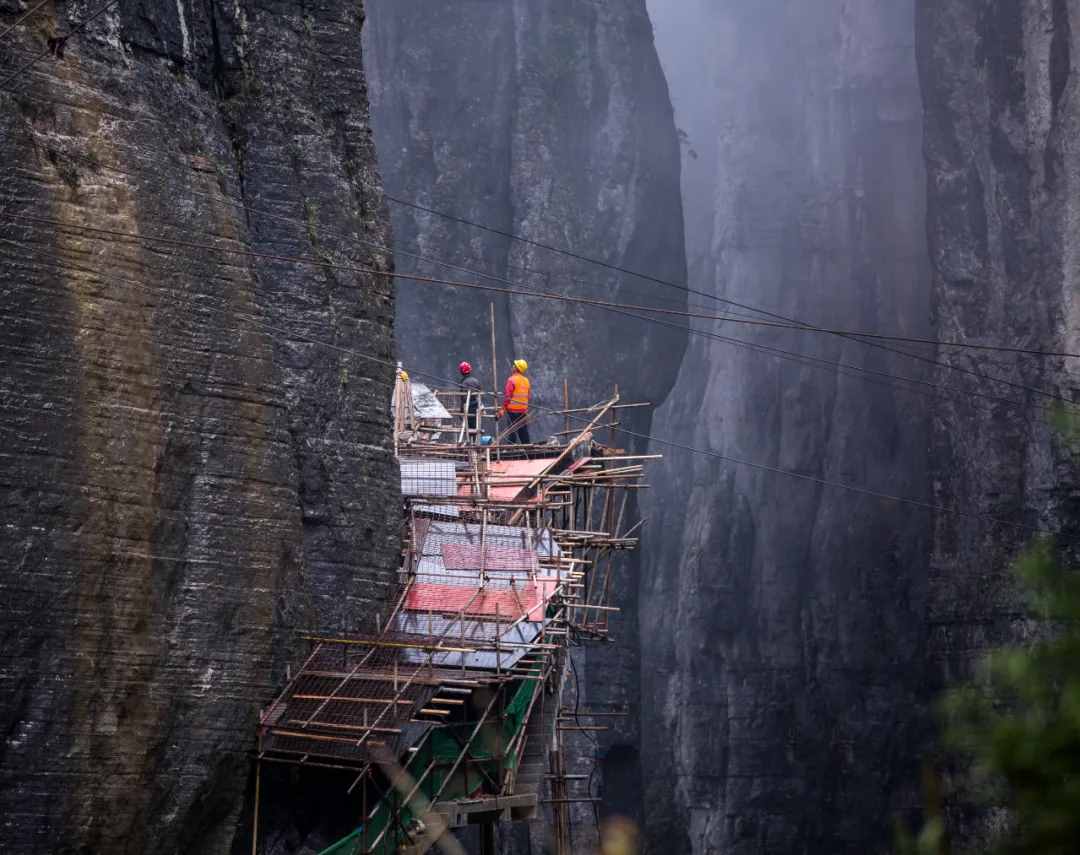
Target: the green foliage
(1015, 731)
(1064, 422)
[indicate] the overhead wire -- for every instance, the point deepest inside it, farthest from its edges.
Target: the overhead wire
(688, 289)
(31, 11)
(807, 359)
(807, 328)
(619, 308)
(647, 437)
(78, 28)
(943, 391)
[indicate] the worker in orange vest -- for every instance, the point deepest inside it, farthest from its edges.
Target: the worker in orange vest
(516, 403)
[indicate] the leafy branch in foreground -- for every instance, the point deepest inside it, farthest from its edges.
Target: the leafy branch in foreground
(1015, 732)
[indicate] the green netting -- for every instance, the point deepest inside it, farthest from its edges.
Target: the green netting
(478, 772)
(347, 845)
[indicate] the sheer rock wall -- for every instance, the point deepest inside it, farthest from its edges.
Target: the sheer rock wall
(188, 476)
(546, 120)
(1002, 110)
(781, 619)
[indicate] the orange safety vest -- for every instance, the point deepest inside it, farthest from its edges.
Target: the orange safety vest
(517, 393)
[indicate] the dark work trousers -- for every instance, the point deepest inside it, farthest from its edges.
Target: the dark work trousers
(473, 419)
(518, 432)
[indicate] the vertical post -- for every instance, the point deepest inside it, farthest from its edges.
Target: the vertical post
(255, 815)
(614, 418)
(494, 358)
(566, 406)
(494, 368)
(495, 363)
(463, 640)
(431, 634)
(487, 470)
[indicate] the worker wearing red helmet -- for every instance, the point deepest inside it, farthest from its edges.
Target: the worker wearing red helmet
(468, 383)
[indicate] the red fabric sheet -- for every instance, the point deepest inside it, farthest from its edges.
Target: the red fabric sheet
(460, 556)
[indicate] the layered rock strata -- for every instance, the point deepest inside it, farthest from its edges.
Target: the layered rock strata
(195, 455)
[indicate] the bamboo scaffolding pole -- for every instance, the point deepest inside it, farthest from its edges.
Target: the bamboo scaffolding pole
(255, 813)
(567, 411)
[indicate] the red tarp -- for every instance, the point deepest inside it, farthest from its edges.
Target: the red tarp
(428, 596)
(460, 556)
(507, 478)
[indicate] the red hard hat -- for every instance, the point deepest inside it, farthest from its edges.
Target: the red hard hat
(465, 368)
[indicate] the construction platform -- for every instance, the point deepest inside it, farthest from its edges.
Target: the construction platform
(449, 714)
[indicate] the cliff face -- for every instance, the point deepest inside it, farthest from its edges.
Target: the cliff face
(1002, 115)
(781, 620)
(550, 121)
(187, 477)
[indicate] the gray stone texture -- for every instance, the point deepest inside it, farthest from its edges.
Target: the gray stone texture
(188, 477)
(781, 619)
(1002, 121)
(547, 120)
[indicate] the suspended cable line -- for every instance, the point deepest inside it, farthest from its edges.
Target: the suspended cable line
(22, 18)
(624, 309)
(688, 289)
(78, 28)
(798, 325)
(282, 336)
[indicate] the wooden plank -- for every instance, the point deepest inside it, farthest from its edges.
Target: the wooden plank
(336, 698)
(363, 728)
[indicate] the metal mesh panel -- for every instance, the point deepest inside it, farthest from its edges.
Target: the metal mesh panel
(428, 477)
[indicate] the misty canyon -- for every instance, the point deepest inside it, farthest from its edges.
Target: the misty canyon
(199, 204)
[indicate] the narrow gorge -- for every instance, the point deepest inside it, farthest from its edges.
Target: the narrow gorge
(202, 211)
(889, 166)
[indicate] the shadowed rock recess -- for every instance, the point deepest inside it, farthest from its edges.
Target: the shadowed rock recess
(187, 478)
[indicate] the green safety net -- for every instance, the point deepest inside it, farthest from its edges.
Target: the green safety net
(477, 774)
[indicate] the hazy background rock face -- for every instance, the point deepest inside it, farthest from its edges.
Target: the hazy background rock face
(186, 478)
(781, 620)
(1002, 112)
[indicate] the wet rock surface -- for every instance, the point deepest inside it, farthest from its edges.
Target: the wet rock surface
(190, 476)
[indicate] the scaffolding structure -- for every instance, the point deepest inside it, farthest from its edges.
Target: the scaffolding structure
(450, 713)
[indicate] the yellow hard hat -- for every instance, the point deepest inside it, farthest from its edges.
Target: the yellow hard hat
(521, 365)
